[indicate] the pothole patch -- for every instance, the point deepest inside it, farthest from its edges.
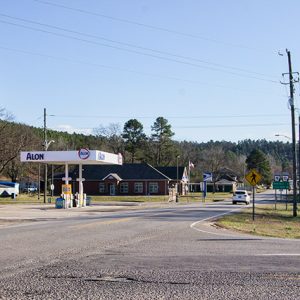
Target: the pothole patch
(111, 279)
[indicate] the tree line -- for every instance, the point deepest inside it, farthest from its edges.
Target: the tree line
(158, 149)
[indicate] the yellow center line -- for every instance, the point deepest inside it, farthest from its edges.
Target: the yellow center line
(104, 222)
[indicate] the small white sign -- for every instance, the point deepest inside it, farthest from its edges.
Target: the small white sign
(277, 178)
(285, 178)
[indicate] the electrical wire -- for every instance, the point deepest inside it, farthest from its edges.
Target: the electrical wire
(129, 71)
(148, 26)
(135, 46)
(198, 126)
(170, 117)
(231, 126)
(137, 52)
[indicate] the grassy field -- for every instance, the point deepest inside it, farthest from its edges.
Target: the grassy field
(195, 197)
(268, 221)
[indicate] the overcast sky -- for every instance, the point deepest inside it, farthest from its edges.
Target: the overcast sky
(211, 68)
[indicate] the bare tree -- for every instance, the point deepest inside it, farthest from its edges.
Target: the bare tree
(112, 135)
(15, 138)
(214, 160)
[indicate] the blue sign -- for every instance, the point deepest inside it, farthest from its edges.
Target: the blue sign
(207, 176)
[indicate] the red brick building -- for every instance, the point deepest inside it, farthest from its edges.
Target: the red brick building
(127, 179)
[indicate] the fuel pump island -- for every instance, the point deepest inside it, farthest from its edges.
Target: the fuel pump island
(81, 157)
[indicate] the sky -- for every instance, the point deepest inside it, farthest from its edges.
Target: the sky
(211, 68)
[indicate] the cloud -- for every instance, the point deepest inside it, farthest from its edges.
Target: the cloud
(70, 129)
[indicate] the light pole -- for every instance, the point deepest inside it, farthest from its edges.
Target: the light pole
(46, 145)
(177, 190)
(298, 156)
(292, 108)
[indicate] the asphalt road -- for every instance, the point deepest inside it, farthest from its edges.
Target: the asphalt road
(156, 253)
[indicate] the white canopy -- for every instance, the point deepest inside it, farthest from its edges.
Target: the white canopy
(82, 156)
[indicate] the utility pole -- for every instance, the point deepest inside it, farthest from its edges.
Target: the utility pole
(45, 148)
(294, 152)
(298, 156)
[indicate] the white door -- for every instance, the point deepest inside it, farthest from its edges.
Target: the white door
(112, 189)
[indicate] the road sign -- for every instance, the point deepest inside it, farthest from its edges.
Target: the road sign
(66, 189)
(285, 178)
(253, 177)
(276, 177)
(207, 176)
(281, 185)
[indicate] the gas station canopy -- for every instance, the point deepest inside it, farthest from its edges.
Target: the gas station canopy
(82, 156)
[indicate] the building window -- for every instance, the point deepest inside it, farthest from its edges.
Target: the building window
(102, 187)
(153, 187)
(138, 187)
(124, 188)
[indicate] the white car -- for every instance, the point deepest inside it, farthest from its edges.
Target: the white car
(241, 196)
(30, 189)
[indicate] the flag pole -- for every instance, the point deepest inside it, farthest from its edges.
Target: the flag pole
(189, 185)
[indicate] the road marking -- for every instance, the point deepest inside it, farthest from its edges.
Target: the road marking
(103, 222)
(238, 234)
(212, 217)
(279, 254)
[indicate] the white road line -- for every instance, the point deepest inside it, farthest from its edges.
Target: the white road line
(212, 217)
(238, 234)
(278, 254)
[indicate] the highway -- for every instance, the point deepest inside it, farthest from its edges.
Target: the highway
(168, 252)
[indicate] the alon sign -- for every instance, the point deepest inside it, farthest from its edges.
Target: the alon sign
(82, 156)
(35, 156)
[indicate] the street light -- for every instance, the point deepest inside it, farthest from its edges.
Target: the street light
(285, 136)
(46, 145)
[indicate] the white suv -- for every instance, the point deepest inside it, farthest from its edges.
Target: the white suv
(241, 196)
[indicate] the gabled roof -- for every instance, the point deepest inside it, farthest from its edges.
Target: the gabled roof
(111, 176)
(225, 173)
(124, 172)
(225, 181)
(171, 172)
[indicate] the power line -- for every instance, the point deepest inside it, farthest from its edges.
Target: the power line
(135, 46)
(231, 126)
(199, 126)
(148, 26)
(137, 52)
(171, 117)
(127, 70)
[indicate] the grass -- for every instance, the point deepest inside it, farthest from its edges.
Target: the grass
(194, 197)
(268, 221)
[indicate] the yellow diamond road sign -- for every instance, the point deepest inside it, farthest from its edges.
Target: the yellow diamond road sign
(253, 177)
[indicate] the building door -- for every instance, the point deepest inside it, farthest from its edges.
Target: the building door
(112, 189)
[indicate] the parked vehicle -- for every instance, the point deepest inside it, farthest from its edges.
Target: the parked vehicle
(241, 196)
(30, 189)
(9, 188)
